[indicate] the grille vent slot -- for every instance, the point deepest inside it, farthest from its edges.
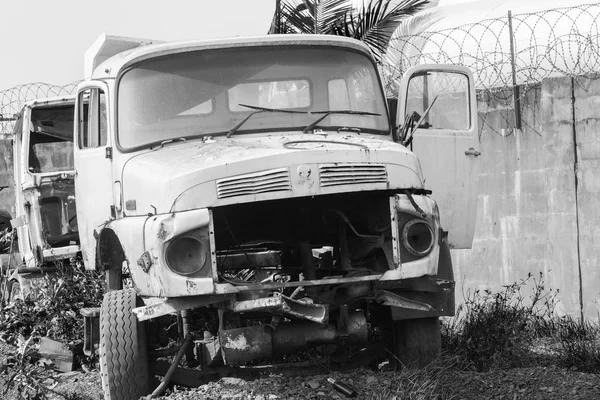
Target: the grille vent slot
(275, 180)
(351, 174)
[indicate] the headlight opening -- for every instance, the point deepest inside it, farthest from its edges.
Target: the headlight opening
(418, 237)
(186, 255)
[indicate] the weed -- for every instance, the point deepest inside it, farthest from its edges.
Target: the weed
(496, 330)
(8, 246)
(54, 309)
(502, 330)
(432, 382)
(6, 240)
(577, 345)
(25, 372)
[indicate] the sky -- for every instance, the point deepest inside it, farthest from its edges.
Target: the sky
(44, 40)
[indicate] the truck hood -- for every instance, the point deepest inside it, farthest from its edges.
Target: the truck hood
(196, 174)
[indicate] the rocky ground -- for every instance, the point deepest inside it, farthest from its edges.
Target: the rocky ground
(525, 383)
(441, 382)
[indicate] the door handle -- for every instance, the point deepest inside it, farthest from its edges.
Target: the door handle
(472, 152)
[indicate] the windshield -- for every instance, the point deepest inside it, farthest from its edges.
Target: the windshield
(207, 93)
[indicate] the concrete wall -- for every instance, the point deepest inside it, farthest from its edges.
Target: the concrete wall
(587, 128)
(534, 213)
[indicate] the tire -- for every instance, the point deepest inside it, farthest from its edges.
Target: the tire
(123, 353)
(417, 342)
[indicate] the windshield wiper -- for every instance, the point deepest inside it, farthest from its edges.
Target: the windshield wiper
(258, 111)
(310, 127)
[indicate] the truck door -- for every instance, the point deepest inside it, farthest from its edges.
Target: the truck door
(93, 167)
(446, 142)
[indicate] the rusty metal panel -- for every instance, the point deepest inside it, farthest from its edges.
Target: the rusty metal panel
(155, 309)
(246, 344)
(283, 305)
(239, 260)
(394, 300)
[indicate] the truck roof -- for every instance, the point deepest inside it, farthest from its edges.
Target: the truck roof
(111, 67)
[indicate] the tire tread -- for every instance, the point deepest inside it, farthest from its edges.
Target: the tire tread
(123, 356)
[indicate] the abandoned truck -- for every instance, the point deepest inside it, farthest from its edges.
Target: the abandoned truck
(257, 189)
(45, 215)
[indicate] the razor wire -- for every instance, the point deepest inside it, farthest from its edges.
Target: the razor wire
(557, 42)
(13, 99)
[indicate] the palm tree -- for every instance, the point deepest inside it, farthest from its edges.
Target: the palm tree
(373, 23)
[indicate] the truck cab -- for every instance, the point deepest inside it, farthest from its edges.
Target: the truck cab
(257, 188)
(45, 213)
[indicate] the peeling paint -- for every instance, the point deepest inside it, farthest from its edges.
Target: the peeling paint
(238, 343)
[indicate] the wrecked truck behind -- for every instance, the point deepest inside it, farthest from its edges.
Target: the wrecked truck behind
(45, 216)
(255, 193)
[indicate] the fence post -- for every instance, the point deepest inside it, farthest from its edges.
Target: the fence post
(516, 95)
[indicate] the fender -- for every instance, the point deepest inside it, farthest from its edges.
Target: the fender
(141, 242)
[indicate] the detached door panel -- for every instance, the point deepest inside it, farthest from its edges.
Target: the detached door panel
(446, 142)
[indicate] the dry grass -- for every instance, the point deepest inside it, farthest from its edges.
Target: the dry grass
(504, 330)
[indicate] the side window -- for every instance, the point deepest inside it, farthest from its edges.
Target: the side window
(93, 122)
(450, 90)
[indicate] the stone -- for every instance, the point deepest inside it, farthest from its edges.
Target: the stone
(313, 384)
(232, 381)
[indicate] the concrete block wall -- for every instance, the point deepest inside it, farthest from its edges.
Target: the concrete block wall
(533, 214)
(587, 128)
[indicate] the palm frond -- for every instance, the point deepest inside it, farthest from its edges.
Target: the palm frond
(411, 29)
(416, 24)
(329, 12)
(294, 18)
(309, 16)
(375, 23)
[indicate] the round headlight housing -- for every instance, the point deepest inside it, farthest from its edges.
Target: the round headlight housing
(186, 255)
(418, 237)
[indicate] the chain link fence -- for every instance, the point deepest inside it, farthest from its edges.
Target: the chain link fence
(557, 42)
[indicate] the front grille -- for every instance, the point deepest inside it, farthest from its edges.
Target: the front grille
(351, 174)
(275, 180)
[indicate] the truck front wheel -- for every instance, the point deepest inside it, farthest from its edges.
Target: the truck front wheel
(417, 342)
(123, 353)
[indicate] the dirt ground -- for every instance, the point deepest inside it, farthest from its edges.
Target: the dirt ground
(527, 383)
(522, 383)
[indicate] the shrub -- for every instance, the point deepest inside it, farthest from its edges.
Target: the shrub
(577, 345)
(25, 373)
(496, 330)
(54, 311)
